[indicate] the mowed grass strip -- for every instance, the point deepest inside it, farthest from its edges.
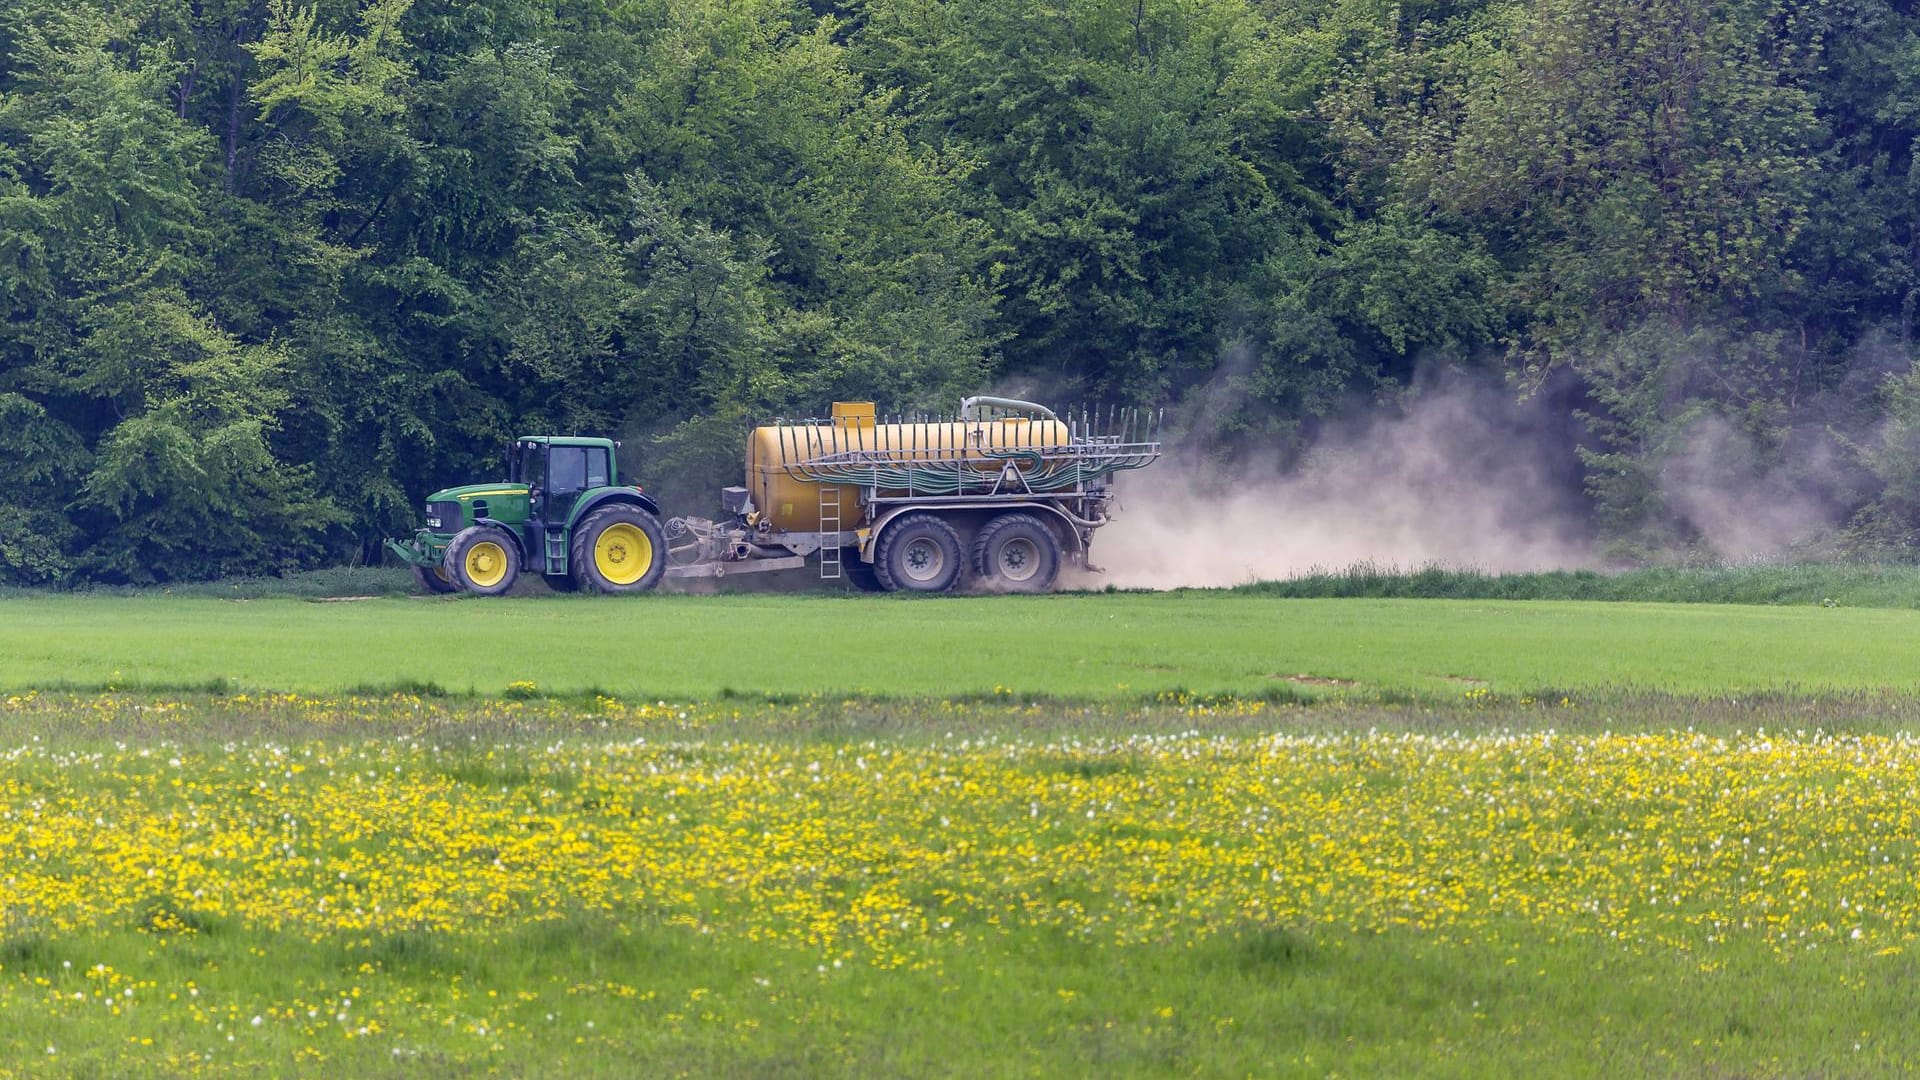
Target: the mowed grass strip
(1089, 646)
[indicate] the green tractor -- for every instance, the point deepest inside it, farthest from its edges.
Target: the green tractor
(561, 512)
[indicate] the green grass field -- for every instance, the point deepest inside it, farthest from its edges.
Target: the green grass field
(1085, 646)
(1185, 834)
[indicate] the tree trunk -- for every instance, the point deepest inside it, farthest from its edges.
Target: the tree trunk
(236, 94)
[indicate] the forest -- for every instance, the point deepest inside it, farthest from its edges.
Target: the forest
(270, 271)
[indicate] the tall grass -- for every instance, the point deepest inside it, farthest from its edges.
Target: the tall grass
(1850, 584)
(330, 583)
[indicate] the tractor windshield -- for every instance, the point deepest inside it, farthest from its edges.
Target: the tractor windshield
(529, 464)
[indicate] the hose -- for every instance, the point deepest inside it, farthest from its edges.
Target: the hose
(969, 407)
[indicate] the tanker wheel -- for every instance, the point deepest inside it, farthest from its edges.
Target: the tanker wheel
(482, 559)
(920, 554)
(432, 579)
(1016, 553)
(619, 549)
(860, 573)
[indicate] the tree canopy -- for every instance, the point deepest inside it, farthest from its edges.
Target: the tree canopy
(271, 270)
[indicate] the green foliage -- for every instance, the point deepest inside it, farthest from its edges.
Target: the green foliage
(139, 444)
(1123, 152)
(41, 460)
(271, 270)
(194, 470)
(1893, 455)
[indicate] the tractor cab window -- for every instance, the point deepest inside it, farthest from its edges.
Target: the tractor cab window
(598, 472)
(530, 465)
(569, 469)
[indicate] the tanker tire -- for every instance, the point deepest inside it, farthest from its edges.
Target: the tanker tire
(432, 579)
(587, 554)
(860, 574)
(483, 560)
(919, 554)
(1016, 553)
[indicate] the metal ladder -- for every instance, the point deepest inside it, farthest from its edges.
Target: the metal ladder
(556, 551)
(829, 532)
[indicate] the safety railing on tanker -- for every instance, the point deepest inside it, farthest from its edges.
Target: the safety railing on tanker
(925, 456)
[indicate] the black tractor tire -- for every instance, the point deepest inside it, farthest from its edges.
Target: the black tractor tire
(919, 553)
(483, 559)
(432, 579)
(1016, 553)
(619, 549)
(860, 574)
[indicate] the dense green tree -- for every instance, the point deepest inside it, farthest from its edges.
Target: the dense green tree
(159, 418)
(271, 270)
(1124, 161)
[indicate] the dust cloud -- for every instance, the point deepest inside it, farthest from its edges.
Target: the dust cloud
(1719, 488)
(1460, 476)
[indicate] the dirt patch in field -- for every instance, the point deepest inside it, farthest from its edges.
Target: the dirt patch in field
(1313, 680)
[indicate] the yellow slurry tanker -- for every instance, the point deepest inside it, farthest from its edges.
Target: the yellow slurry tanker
(1001, 497)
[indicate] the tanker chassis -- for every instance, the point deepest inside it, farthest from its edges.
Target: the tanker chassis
(1000, 498)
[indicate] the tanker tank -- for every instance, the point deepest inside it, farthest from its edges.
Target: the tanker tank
(788, 464)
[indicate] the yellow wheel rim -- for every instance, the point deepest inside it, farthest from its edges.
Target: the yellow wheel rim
(622, 553)
(486, 564)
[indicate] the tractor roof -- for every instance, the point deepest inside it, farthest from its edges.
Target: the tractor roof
(563, 440)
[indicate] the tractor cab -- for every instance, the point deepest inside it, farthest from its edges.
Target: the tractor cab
(561, 512)
(558, 471)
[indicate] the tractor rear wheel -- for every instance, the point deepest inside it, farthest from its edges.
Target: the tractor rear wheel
(432, 579)
(919, 553)
(483, 559)
(619, 549)
(1016, 553)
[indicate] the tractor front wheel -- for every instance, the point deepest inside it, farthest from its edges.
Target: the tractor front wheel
(482, 559)
(432, 579)
(619, 549)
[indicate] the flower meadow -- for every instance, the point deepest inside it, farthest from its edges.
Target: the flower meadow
(512, 885)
